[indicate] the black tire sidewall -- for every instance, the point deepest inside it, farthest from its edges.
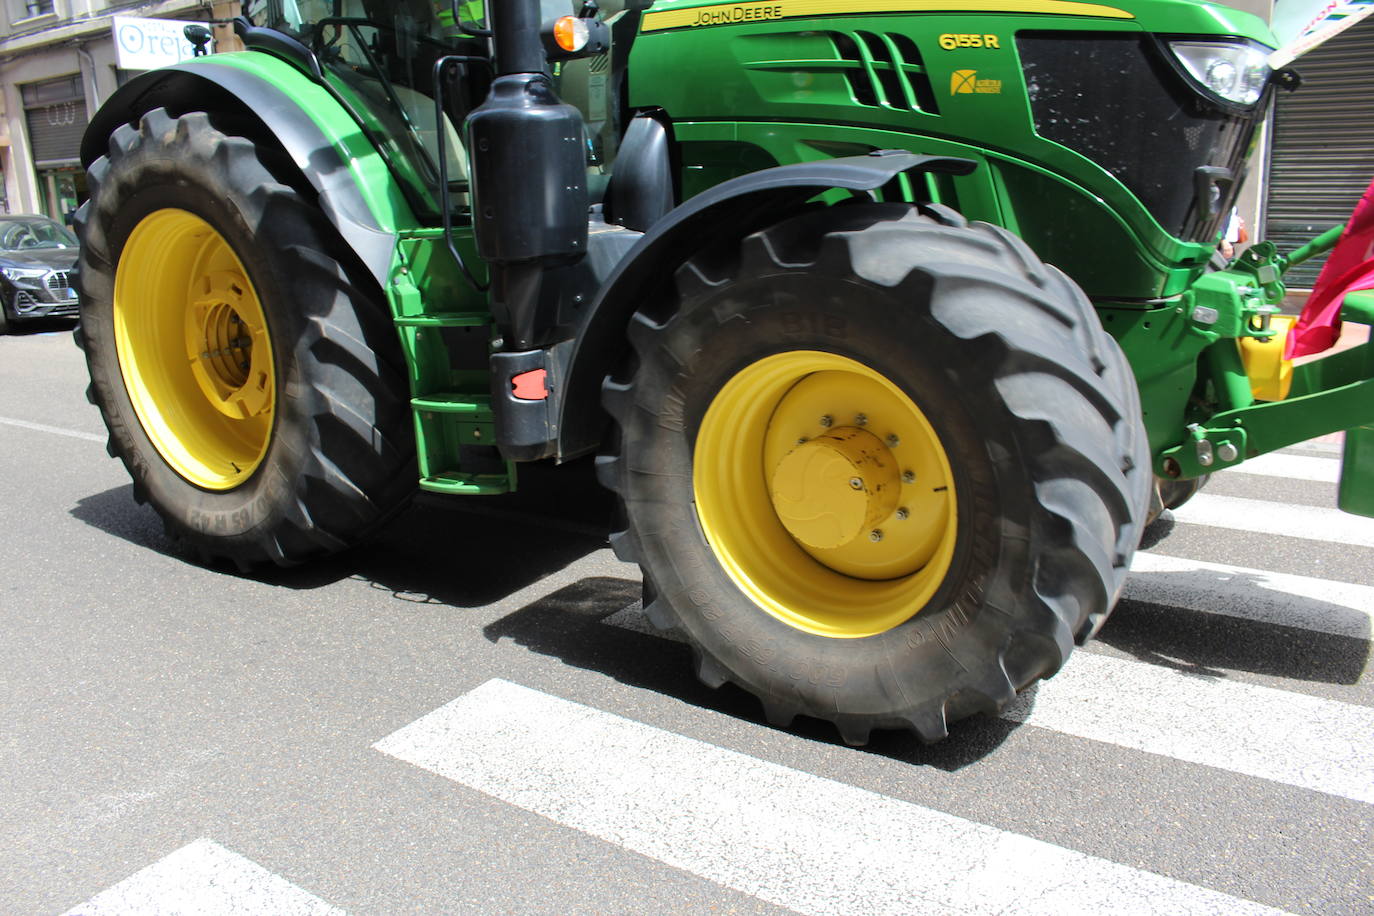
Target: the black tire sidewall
(340, 461)
(941, 648)
(257, 501)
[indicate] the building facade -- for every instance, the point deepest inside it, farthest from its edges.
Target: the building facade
(58, 63)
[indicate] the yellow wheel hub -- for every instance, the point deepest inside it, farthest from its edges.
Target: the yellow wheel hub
(825, 493)
(828, 490)
(194, 349)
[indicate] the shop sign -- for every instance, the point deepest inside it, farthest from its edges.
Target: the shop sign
(146, 44)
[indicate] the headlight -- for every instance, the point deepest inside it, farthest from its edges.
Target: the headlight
(1237, 73)
(24, 273)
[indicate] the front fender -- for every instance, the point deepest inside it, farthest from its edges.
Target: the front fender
(357, 192)
(728, 211)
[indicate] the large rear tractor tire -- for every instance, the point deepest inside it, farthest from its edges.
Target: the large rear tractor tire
(879, 466)
(246, 368)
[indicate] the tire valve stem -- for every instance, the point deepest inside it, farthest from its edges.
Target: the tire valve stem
(908, 477)
(875, 535)
(856, 483)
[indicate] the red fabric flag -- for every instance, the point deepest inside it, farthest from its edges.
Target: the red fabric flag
(1349, 267)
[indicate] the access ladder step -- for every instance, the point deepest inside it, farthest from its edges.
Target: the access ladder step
(460, 483)
(468, 405)
(445, 320)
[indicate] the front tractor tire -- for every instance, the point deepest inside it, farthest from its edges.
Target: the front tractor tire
(244, 365)
(879, 466)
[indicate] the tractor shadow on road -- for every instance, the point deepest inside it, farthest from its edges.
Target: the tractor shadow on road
(1196, 642)
(596, 624)
(1211, 644)
(465, 553)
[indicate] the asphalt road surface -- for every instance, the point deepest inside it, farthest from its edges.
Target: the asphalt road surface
(468, 716)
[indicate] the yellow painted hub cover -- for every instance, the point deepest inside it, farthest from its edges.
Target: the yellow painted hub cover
(825, 493)
(829, 490)
(194, 349)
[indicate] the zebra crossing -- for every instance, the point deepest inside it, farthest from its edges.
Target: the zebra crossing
(819, 844)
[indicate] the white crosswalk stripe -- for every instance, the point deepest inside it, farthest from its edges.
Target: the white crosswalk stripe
(1320, 605)
(1274, 734)
(1259, 731)
(1263, 517)
(204, 879)
(1290, 467)
(800, 841)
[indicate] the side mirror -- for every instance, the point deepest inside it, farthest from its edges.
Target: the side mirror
(199, 36)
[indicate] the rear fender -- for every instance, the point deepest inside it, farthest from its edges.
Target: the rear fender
(729, 211)
(356, 190)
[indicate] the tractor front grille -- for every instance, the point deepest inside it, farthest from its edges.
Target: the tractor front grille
(1116, 100)
(885, 70)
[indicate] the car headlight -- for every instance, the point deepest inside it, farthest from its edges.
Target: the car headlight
(24, 273)
(1235, 72)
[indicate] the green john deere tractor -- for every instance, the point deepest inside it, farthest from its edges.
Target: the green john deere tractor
(783, 265)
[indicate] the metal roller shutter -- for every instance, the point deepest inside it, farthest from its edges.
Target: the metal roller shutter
(56, 115)
(1323, 152)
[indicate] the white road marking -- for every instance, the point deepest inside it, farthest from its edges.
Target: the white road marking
(1291, 467)
(794, 839)
(1321, 605)
(1291, 738)
(204, 879)
(1277, 735)
(55, 430)
(1263, 517)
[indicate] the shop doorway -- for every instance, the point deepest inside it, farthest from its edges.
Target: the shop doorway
(62, 191)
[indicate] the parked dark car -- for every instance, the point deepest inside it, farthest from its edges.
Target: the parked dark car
(36, 259)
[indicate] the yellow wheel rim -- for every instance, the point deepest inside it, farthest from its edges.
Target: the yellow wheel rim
(825, 493)
(194, 349)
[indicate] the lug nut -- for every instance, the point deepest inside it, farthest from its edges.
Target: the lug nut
(903, 514)
(861, 420)
(875, 535)
(827, 421)
(908, 477)
(893, 441)
(856, 483)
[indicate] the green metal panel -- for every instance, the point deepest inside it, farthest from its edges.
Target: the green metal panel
(429, 301)
(920, 76)
(365, 164)
(1356, 492)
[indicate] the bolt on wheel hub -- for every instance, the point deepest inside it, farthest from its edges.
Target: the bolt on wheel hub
(220, 345)
(825, 493)
(830, 490)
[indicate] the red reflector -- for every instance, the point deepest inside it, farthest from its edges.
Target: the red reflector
(529, 386)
